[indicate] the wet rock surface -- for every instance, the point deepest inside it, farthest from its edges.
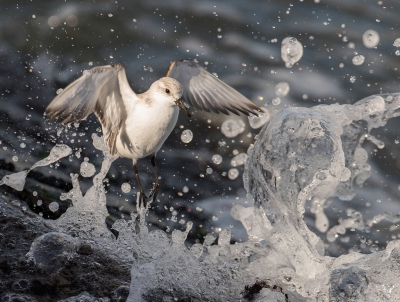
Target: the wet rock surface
(59, 267)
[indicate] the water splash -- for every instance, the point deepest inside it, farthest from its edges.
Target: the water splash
(300, 155)
(260, 120)
(282, 174)
(17, 180)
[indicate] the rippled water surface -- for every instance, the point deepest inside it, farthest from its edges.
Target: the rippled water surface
(44, 45)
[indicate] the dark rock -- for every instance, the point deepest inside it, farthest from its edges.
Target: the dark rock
(84, 248)
(57, 267)
(51, 251)
(17, 298)
(120, 294)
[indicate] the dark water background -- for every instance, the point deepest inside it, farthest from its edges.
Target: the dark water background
(44, 45)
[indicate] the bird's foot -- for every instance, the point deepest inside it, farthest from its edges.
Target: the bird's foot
(154, 191)
(142, 199)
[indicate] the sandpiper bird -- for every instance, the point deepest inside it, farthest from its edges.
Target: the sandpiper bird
(137, 125)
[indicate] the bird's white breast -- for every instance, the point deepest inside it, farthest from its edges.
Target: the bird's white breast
(146, 129)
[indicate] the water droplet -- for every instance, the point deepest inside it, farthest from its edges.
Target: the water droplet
(233, 173)
(87, 169)
(291, 51)
(186, 136)
(209, 170)
(397, 42)
(185, 189)
(358, 60)
(374, 248)
(282, 89)
(222, 143)
(217, 159)
(276, 101)
(33, 16)
(232, 128)
(34, 193)
(110, 15)
(59, 90)
(54, 206)
(15, 158)
(352, 79)
(125, 187)
(22, 145)
(370, 38)
(239, 160)
(397, 52)
(39, 202)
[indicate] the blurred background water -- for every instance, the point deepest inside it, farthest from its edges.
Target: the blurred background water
(44, 45)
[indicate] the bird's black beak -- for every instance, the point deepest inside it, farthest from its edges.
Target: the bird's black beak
(180, 104)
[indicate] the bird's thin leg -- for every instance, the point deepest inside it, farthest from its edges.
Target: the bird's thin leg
(154, 190)
(143, 197)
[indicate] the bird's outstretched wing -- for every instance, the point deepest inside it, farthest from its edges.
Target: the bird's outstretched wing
(206, 92)
(104, 90)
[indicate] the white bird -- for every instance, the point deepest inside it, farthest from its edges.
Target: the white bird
(137, 125)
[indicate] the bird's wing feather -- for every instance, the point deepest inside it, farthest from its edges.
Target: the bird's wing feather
(104, 90)
(206, 92)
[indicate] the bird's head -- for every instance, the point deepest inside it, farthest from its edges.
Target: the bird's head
(169, 90)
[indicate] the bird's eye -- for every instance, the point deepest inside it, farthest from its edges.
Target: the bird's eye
(167, 90)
